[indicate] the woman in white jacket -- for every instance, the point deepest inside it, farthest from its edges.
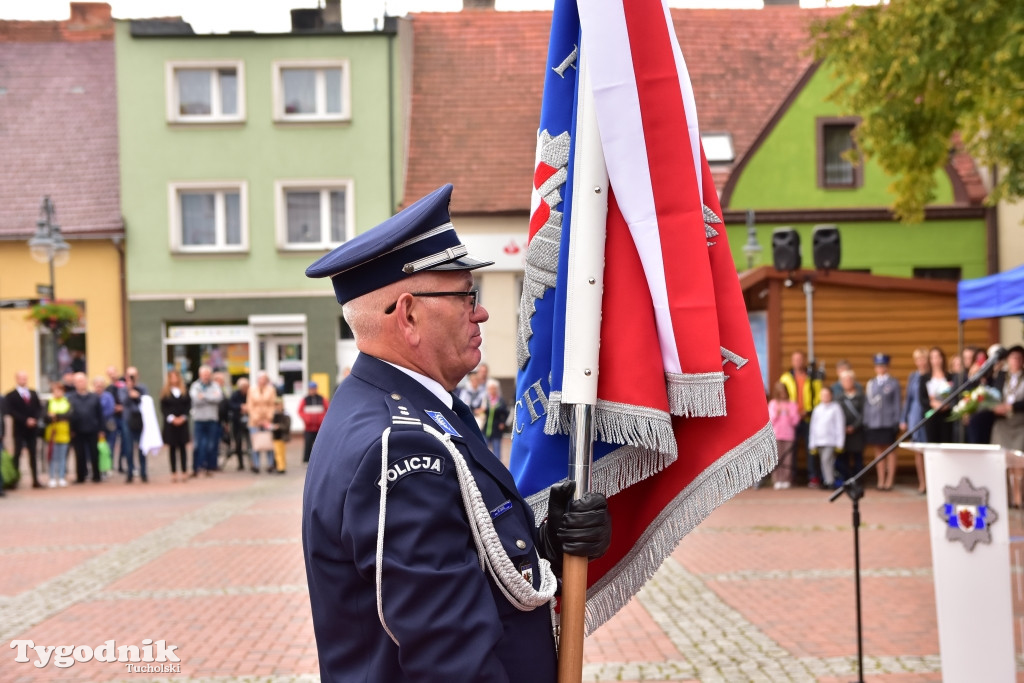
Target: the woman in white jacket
(827, 434)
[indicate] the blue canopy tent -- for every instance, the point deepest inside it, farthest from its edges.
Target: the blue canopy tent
(995, 296)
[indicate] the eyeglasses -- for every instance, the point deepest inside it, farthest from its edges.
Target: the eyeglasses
(473, 294)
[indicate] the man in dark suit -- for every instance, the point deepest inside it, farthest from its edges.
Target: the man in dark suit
(25, 409)
(423, 561)
(86, 424)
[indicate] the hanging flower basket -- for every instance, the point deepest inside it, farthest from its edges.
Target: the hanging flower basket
(60, 318)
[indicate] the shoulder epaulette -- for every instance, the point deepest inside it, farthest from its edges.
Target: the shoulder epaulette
(401, 417)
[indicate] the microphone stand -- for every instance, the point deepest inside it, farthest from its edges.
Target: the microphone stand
(853, 488)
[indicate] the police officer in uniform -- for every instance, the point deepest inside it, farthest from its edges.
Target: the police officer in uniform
(882, 408)
(423, 561)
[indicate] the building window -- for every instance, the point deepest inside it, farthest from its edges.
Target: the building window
(835, 138)
(224, 346)
(718, 148)
(208, 217)
(69, 356)
(311, 91)
(314, 214)
(205, 92)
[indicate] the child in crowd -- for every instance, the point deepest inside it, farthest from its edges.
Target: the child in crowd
(58, 434)
(785, 416)
(281, 433)
(827, 434)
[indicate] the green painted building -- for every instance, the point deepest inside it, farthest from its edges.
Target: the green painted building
(244, 158)
(794, 175)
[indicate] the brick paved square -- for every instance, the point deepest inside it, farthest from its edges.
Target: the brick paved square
(631, 635)
(257, 524)
(728, 551)
(816, 618)
(22, 571)
(801, 507)
(252, 635)
(76, 529)
(219, 567)
(762, 590)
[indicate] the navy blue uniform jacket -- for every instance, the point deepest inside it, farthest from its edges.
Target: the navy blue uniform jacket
(451, 622)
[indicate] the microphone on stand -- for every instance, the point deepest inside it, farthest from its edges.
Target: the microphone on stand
(996, 353)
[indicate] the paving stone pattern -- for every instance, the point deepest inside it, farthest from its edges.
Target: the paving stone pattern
(762, 591)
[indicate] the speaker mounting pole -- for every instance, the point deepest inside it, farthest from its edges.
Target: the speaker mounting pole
(809, 297)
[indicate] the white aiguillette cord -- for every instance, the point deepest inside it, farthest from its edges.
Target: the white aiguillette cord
(493, 558)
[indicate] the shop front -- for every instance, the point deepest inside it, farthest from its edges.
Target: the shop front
(275, 344)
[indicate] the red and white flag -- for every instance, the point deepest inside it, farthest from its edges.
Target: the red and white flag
(681, 418)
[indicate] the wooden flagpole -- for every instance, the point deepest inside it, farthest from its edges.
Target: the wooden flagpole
(585, 288)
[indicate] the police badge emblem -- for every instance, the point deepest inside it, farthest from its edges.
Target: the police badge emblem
(442, 422)
(967, 514)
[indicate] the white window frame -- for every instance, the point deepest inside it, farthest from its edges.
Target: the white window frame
(218, 188)
(174, 114)
(321, 90)
(324, 187)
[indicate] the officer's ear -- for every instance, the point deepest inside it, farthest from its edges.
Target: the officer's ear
(407, 316)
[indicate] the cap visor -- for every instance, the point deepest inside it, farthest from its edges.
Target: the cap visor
(463, 263)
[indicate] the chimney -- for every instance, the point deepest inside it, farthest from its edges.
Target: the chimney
(776, 3)
(85, 15)
(332, 13)
(307, 19)
(477, 4)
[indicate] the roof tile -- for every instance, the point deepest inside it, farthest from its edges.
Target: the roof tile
(58, 133)
(477, 88)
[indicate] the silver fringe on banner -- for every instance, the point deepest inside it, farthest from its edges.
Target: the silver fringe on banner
(739, 469)
(614, 472)
(646, 428)
(696, 394)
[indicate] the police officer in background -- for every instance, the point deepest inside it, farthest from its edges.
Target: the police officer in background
(423, 561)
(882, 409)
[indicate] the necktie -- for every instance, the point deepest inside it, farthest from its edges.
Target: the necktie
(467, 417)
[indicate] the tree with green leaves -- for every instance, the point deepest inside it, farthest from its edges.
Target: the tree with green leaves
(922, 74)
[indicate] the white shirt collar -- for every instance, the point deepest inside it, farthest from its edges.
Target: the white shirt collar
(433, 386)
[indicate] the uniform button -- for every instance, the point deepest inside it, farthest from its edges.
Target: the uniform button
(396, 397)
(521, 544)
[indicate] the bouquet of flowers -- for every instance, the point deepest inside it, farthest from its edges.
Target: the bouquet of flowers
(980, 398)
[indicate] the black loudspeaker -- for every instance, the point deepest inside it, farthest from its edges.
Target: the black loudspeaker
(786, 249)
(826, 247)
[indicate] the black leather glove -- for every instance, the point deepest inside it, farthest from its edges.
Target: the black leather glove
(577, 527)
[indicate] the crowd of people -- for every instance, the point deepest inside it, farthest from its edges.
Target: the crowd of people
(483, 396)
(841, 426)
(113, 424)
(835, 428)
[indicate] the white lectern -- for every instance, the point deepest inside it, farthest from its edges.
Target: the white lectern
(970, 534)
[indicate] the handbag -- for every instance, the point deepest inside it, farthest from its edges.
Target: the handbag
(262, 441)
(8, 471)
(104, 450)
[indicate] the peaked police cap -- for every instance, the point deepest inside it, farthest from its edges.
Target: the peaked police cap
(418, 238)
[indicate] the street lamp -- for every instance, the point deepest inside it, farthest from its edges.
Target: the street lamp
(49, 246)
